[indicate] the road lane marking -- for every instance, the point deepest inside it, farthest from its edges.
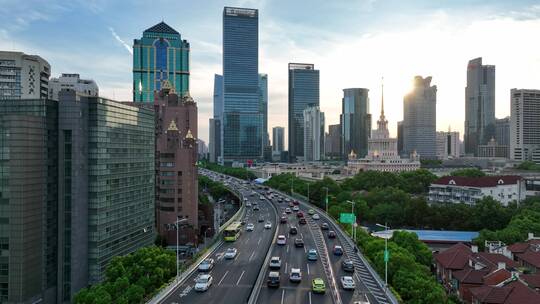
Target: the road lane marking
(305, 250)
(301, 235)
(237, 282)
(285, 267)
(307, 269)
(251, 257)
(258, 242)
(226, 273)
(287, 248)
(282, 296)
(309, 293)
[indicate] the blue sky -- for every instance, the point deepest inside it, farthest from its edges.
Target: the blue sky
(353, 43)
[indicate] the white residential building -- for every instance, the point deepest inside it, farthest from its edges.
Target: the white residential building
(525, 125)
(448, 145)
(74, 82)
(23, 76)
(313, 134)
(457, 189)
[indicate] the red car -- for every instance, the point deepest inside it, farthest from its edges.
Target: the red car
(300, 214)
(302, 221)
(295, 202)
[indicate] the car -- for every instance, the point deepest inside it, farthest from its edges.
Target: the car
(300, 214)
(312, 255)
(311, 212)
(206, 265)
(203, 282)
(245, 199)
(363, 299)
(347, 265)
(243, 222)
(324, 226)
(231, 253)
(302, 221)
(256, 208)
(281, 240)
(280, 200)
(260, 220)
(283, 219)
(267, 225)
(317, 286)
(293, 230)
(295, 202)
(298, 243)
(250, 227)
(288, 210)
(261, 198)
(295, 209)
(347, 282)
(275, 263)
(338, 250)
(295, 275)
(288, 200)
(315, 216)
(331, 234)
(273, 279)
(291, 204)
(248, 204)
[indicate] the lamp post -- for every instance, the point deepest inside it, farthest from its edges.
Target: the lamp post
(177, 225)
(386, 253)
(326, 199)
(353, 231)
(292, 186)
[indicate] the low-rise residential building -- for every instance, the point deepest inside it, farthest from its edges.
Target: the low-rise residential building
(457, 189)
(512, 291)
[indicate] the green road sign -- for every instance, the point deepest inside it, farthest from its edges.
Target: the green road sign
(326, 199)
(386, 255)
(347, 218)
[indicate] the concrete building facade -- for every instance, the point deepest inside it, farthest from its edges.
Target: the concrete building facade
(313, 134)
(525, 125)
(448, 145)
(23, 76)
(72, 82)
(278, 139)
(333, 142)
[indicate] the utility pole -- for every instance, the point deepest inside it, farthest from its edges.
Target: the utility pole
(386, 253)
(326, 199)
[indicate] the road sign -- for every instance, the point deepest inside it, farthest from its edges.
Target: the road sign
(347, 218)
(386, 255)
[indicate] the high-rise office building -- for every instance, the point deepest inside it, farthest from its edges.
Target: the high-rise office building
(176, 174)
(313, 134)
(159, 55)
(303, 93)
(105, 199)
(502, 131)
(333, 142)
(242, 117)
(278, 139)
(448, 145)
(215, 144)
(479, 105)
(419, 119)
(355, 122)
(23, 76)
(263, 95)
(525, 125)
(73, 82)
(28, 199)
(400, 137)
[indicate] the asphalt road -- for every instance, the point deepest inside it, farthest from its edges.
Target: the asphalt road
(233, 280)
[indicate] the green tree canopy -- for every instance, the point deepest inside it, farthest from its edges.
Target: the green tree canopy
(469, 172)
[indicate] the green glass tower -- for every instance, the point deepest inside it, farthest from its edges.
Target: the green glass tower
(159, 55)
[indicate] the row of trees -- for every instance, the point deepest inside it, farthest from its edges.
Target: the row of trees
(241, 173)
(132, 278)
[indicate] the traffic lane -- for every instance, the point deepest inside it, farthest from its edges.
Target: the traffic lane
(232, 279)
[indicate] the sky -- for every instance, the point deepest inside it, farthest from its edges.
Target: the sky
(353, 43)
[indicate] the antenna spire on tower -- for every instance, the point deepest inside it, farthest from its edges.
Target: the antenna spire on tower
(382, 96)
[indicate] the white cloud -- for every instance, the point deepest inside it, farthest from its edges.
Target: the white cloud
(127, 46)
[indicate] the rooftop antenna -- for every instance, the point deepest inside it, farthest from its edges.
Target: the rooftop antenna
(382, 96)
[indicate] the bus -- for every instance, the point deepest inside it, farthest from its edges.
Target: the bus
(232, 233)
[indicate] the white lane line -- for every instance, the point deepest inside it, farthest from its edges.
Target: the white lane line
(282, 296)
(251, 257)
(306, 265)
(226, 273)
(305, 250)
(258, 242)
(285, 267)
(237, 282)
(309, 293)
(301, 235)
(287, 248)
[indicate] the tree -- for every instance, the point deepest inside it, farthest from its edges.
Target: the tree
(528, 165)
(410, 242)
(417, 181)
(469, 172)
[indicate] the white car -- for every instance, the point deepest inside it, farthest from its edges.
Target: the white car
(203, 282)
(316, 216)
(250, 227)
(261, 198)
(347, 282)
(231, 253)
(296, 275)
(281, 240)
(248, 204)
(295, 208)
(287, 210)
(267, 225)
(275, 263)
(206, 265)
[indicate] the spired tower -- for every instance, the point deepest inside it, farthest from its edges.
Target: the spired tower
(380, 145)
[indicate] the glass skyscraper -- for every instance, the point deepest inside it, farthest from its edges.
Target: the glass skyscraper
(355, 122)
(303, 93)
(242, 116)
(263, 95)
(159, 55)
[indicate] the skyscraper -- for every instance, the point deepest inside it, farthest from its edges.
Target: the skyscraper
(313, 134)
(333, 141)
(502, 131)
(525, 125)
(216, 143)
(263, 95)
(278, 139)
(23, 76)
(159, 55)
(303, 93)
(242, 117)
(479, 105)
(448, 145)
(419, 119)
(400, 137)
(74, 82)
(355, 122)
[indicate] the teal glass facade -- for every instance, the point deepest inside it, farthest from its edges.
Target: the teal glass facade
(159, 55)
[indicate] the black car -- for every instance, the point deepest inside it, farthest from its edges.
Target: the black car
(256, 208)
(347, 266)
(331, 234)
(299, 243)
(324, 226)
(293, 230)
(302, 221)
(261, 220)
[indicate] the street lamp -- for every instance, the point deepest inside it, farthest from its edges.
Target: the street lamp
(386, 254)
(178, 221)
(353, 231)
(292, 186)
(326, 199)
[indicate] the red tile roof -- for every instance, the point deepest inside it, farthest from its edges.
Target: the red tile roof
(514, 292)
(480, 182)
(492, 260)
(531, 257)
(496, 277)
(533, 280)
(455, 257)
(518, 247)
(470, 276)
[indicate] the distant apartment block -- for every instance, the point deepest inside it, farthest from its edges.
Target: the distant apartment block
(525, 125)
(448, 145)
(72, 82)
(313, 134)
(23, 76)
